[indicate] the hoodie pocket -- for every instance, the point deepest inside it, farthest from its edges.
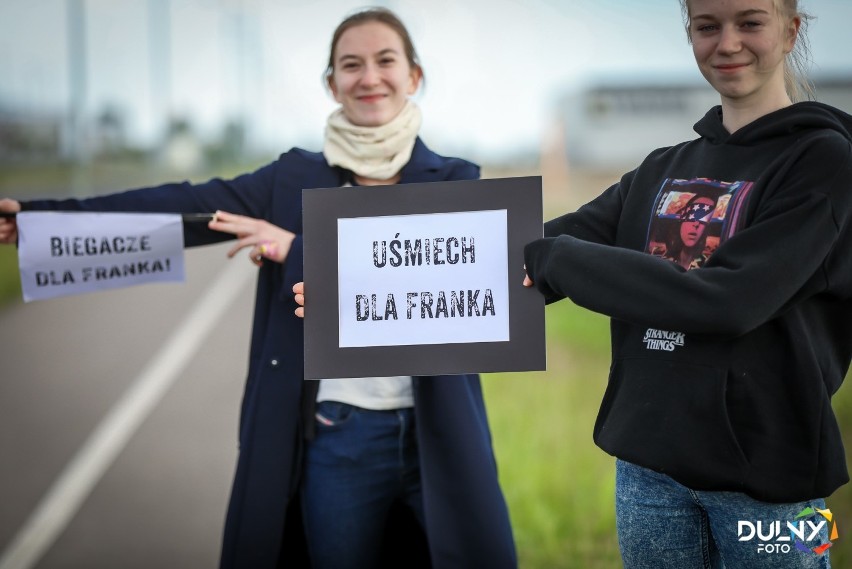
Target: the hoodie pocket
(671, 417)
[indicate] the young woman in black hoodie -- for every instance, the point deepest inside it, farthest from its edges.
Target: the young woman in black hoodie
(718, 406)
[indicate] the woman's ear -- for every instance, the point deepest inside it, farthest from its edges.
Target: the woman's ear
(332, 86)
(415, 78)
(792, 33)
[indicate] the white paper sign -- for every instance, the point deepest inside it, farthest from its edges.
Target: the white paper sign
(64, 253)
(436, 278)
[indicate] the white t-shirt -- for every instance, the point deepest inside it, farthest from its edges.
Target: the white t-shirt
(377, 393)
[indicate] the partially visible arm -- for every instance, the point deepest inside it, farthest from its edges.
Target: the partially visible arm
(248, 195)
(596, 222)
(267, 241)
(748, 280)
(8, 225)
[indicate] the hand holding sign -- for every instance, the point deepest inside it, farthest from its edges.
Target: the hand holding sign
(299, 291)
(267, 241)
(62, 253)
(8, 225)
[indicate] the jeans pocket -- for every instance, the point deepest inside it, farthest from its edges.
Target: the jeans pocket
(330, 414)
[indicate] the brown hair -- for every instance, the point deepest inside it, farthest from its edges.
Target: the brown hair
(796, 81)
(382, 16)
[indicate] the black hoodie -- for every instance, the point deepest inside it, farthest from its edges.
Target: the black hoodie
(726, 356)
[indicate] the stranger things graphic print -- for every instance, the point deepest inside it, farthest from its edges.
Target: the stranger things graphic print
(693, 217)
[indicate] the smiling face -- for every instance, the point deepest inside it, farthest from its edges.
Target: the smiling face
(740, 47)
(372, 77)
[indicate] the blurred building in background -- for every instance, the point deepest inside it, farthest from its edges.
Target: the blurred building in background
(615, 125)
(32, 137)
(608, 126)
(183, 85)
(29, 136)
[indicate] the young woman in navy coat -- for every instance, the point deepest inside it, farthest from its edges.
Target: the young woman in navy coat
(441, 505)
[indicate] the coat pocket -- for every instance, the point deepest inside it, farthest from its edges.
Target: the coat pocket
(672, 417)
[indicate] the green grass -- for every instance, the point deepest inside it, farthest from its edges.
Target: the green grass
(10, 280)
(841, 502)
(559, 485)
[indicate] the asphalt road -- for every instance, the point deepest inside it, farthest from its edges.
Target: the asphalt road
(67, 364)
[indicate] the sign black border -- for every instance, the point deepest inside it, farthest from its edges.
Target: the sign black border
(525, 351)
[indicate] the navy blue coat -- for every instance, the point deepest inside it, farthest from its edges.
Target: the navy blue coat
(467, 521)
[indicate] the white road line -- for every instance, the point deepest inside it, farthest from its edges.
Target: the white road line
(75, 483)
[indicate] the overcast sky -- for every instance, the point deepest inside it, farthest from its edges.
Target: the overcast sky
(494, 68)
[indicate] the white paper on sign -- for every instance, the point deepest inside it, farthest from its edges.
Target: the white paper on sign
(437, 278)
(64, 253)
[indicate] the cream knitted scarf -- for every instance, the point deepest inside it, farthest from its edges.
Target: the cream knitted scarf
(376, 152)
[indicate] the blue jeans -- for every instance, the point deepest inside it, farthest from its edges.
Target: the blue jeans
(664, 524)
(360, 463)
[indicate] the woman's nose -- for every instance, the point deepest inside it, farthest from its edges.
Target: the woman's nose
(729, 41)
(370, 77)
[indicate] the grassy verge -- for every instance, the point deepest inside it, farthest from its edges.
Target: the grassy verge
(841, 502)
(559, 485)
(10, 280)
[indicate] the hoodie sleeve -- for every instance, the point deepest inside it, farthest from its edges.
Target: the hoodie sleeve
(595, 222)
(778, 258)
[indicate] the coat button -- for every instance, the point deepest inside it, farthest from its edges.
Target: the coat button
(273, 362)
